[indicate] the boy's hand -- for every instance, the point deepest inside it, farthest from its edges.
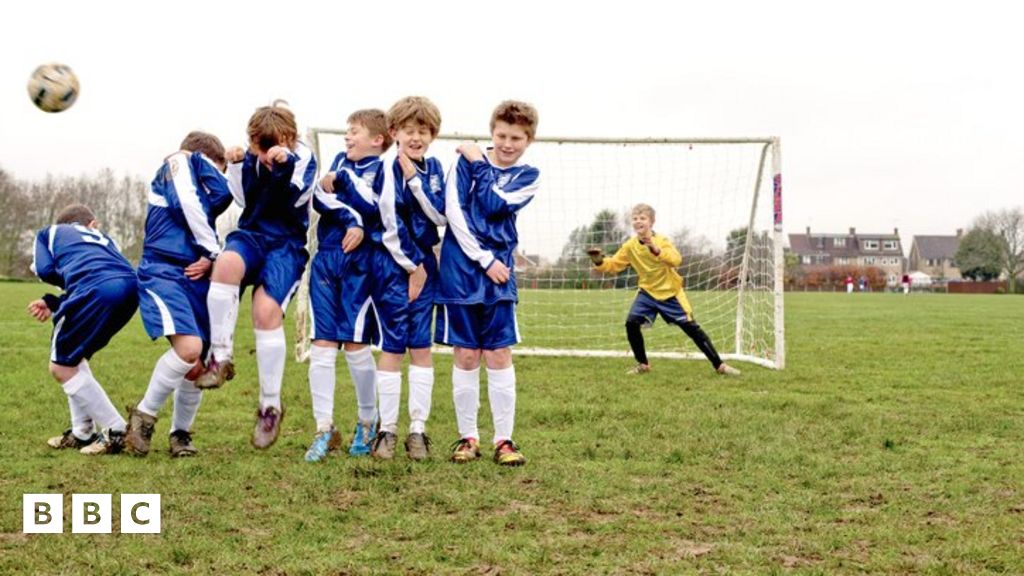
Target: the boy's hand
(278, 154)
(38, 310)
(353, 238)
(596, 255)
(498, 272)
(649, 242)
(470, 151)
(408, 168)
(327, 182)
(199, 268)
(416, 281)
(234, 154)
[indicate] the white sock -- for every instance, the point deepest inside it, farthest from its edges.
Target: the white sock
(501, 391)
(321, 385)
(389, 395)
(186, 405)
(168, 374)
(421, 388)
(271, 350)
(88, 393)
(81, 424)
(466, 394)
(222, 300)
(364, 378)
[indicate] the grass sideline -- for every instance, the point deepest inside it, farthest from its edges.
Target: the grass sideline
(891, 444)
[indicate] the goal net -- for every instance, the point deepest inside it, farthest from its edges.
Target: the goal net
(719, 200)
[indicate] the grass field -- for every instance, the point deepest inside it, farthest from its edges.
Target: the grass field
(892, 444)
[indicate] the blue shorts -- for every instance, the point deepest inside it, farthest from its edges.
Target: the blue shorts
(276, 264)
(340, 306)
(86, 321)
(674, 309)
(403, 324)
(477, 326)
(172, 304)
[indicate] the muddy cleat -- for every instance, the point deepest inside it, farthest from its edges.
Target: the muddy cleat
(140, 432)
(323, 444)
(506, 453)
(362, 439)
(109, 442)
(417, 446)
(384, 445)
(465, 450)
(268, 427)
(181, 444)
(69, 440)
(726, 370)
(639, 369)
(215, 375)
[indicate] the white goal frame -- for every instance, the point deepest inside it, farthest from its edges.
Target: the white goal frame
(770, 163)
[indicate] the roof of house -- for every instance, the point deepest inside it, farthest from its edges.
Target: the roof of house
(937, 247)
(822, 243)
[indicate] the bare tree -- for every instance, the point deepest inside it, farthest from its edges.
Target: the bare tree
(1008, 225)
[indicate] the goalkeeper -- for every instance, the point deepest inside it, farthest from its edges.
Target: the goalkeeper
(660, 289)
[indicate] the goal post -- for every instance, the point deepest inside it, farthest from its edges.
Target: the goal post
(718, 199)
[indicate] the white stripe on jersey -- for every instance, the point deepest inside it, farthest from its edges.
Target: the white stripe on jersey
(53, 234)
(191, 206)
(362, 188)
(416, 186)
(389, 218)
(166, 320)
(519, 196)
(332, 202)
(299, 174)
(235, 182)
(457, 223)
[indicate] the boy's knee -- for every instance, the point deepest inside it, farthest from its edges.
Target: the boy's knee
(635, 321)
(229, 268)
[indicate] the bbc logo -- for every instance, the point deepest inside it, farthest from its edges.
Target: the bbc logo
(90, 513)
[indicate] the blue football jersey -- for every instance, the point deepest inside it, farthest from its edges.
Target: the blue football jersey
(275, 201)
(357, 187)
(72, 256)
(411, 211)
(187, 195)
(481, 203)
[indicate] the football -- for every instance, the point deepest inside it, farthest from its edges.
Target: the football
(53, 87)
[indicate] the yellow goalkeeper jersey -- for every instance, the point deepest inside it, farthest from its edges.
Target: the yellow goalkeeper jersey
(657, 274)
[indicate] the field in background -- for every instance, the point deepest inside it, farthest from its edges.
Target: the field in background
(890, 444)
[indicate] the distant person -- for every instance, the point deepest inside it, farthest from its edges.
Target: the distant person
(849, 284)
(863, 283)
(273, 180)
(180, 246)
(660, 291)
(100, 297)
(906, 284)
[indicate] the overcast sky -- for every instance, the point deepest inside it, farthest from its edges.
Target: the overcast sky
(891, 114)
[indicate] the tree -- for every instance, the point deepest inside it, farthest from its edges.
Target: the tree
(978, 256)
(1007, 225)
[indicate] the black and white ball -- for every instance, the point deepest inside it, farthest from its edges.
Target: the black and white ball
(53, 87)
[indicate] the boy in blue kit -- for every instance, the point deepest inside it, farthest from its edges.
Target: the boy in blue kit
(181, 243)
(485, 191)
(273, 180)
(100, 297)
(341, 282)
(411, 209)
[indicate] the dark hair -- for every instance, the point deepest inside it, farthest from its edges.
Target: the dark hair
(76, 214)
(375, 121)
(206, 143)
(273, 125)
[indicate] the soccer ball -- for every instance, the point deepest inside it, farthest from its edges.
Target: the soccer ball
(53, 87)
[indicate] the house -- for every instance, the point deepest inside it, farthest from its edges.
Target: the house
(882, 251)
(934, 255)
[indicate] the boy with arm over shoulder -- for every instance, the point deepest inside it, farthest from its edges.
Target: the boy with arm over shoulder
(660, 291)
(273, 180)
(100, 297)
(180, 246)
(411, 209)
(341, 282)
(484, 193)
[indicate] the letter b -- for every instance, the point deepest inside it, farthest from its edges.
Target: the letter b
(42, 513)
(90, 513)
